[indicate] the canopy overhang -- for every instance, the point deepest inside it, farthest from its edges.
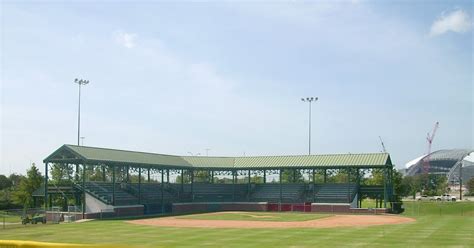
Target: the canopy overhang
(96, 155)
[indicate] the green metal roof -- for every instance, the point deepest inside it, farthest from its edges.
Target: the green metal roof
(112, 156)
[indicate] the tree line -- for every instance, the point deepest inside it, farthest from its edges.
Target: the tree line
(16, 190)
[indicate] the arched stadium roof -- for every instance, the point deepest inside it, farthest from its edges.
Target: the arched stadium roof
(445, 162)
(97, 155)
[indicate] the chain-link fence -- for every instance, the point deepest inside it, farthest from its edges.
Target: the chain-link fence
(439, 208)
(12, 218)
(17, 218)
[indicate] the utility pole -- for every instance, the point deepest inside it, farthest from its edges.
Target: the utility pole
(460, 180)
(383, 145)
(309, 100)
(80, 82)
(429, 138)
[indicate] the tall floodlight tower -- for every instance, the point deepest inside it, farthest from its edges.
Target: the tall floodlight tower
(80, 82)
(309, 100)
(429, 138)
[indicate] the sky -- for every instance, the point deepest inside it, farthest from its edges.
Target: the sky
(183, 77)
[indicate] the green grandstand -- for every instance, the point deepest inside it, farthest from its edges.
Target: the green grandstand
(114, 182)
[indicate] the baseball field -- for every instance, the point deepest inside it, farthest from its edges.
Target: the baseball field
(433, 224)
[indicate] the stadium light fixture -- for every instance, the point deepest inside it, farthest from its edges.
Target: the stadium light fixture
(309, 100)
(80, 82)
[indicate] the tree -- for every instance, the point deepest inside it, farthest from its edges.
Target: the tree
(202, 176)
(15, 179)
(410, 186)
(434, 184)
(288, 177)
(61, 173)
(470, 186)
(376, 177)
(398, 187)
(23, 194)
(5, 182)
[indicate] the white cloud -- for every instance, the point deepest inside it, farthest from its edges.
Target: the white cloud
(457, 21)
(127, 40)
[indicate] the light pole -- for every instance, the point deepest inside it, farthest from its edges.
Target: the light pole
(80, 82)
(207, 151)
(309, 100)
(82, 140)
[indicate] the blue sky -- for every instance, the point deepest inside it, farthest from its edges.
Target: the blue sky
(182, 77)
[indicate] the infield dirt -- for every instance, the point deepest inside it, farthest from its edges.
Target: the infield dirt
(328, 222)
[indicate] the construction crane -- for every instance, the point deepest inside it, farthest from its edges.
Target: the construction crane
(429, 138)
(383, 145)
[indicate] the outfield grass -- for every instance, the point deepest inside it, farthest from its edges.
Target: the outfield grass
(450, 229)
(256, 216)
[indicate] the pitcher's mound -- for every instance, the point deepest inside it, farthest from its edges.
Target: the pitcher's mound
(332, 221)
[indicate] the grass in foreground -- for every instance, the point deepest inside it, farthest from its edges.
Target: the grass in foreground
(450, 229)
(256, 216)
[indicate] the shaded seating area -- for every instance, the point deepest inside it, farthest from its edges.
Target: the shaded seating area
(121, 178)
(204, 192)
(271, 193)
(104, 191)
(335, 193)
(152, 192)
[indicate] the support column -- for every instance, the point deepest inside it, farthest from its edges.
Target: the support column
(168, 176)
(113, 185)
(281, 192)
(359, 201)
(294, 175)
(248, 187)
(77, 173)
(392, 190)
(212, 176)
(314, 186)
(148, 179)
(385, 187)
(348, 181)
(162, 192)
(45, 186)
(84, 190)
(182, 181)
(358, 176)
(128, 174)
(325, 175)
(139, 185)
(233, 185)
(264, 176)
(192, 184)
(103, 173)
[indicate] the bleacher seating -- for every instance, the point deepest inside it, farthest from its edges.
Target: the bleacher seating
(219, 192)
(151, 193)
(335, 193)
(271, 192)
(104, 191)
